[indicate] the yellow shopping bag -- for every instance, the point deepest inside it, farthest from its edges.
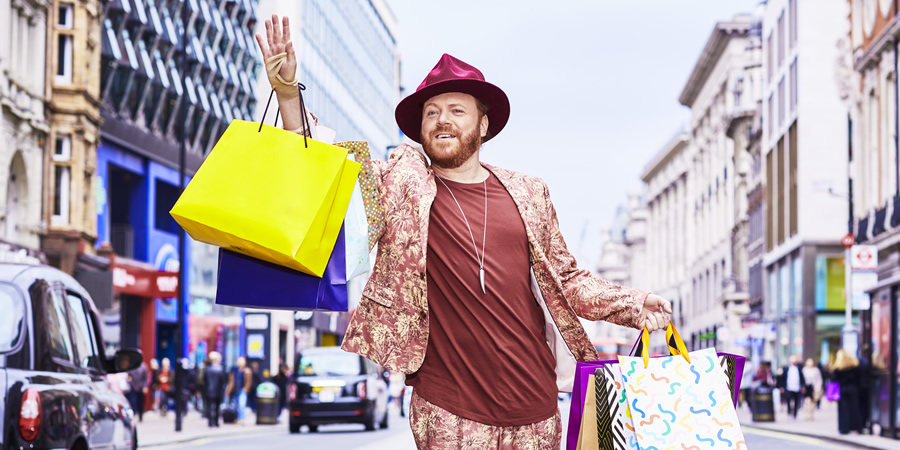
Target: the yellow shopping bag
(270, 194)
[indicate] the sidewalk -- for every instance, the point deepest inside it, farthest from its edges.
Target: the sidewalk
(157, 431)
(823, 426)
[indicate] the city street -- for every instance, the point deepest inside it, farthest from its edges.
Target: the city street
(399, 437)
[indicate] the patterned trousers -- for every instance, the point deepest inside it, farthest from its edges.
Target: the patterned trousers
(436, 428)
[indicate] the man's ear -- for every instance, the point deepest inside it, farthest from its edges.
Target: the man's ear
(484, 125)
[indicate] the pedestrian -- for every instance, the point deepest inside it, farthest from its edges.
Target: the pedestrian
(137, 380)
(164, 385)
(815, 388)
(201, 387)
(494, 255)
(847, 374)
(154, 385)
(792, 385)
(240, 379)
(251, 395)
(213, 382)
(282, 379)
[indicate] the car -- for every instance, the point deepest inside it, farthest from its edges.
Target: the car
(54, 392)
(334, 386)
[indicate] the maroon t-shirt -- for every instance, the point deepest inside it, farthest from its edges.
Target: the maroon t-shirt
(487, 358)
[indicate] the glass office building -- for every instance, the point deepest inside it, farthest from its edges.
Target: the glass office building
(350, 66)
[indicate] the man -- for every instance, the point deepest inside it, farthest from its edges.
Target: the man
(137, 380)
(792, 384)
(468, 331)
(240, 380)
(213, 382)
(282, 380)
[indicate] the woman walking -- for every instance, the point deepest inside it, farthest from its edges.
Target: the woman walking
(164, 381)
(814, 388)
(846, 373)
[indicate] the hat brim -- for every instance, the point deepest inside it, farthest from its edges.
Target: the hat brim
(409, 110)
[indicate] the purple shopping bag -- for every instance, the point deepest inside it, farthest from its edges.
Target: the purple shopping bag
(584, 369)
(251, 283)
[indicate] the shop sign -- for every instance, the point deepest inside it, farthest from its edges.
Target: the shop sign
(144, 282)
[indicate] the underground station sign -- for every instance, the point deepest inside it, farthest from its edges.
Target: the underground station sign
(143, 282)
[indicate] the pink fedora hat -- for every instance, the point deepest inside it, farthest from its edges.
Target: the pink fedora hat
(452, 75)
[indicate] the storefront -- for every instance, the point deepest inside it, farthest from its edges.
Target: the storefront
(879, 348)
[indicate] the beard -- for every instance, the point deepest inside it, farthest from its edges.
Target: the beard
(437, 151)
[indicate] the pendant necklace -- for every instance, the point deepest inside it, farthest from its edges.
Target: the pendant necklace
(484, 239)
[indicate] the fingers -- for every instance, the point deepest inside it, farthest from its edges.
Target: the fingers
(263, 47)
(270, 33)
(289, 48)
(667, 306)
(277, 29)
(652, 324)
(286, 28)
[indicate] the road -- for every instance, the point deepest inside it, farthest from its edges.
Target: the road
(399, 437)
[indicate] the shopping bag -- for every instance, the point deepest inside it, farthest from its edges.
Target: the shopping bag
(615, 427)
(270, 194)
(587, 435)
(733, 366)
(833, 391)
(681, 400)
(356, 236)
(371, 196)
(251, 283)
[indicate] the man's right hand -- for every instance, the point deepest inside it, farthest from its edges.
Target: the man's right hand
(278, 40)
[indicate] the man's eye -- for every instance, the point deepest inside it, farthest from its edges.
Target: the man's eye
(431, 113)
(458, 111)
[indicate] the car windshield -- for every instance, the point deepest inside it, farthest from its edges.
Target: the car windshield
(330, 363)
(11, 320)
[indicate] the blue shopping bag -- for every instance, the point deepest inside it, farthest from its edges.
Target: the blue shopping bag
(251, 283)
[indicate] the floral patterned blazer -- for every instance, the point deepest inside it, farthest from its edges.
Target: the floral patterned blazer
(390, 325)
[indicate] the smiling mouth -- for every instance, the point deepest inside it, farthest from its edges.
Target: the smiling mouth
(445, 136)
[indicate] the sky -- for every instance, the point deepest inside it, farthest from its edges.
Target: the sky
(593, 87)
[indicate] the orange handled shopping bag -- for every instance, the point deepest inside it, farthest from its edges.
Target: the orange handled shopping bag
(271, 194)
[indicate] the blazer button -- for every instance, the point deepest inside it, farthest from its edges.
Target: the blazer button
(422, 315)
(422, 275)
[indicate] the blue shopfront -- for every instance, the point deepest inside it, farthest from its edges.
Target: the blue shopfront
(135, 195)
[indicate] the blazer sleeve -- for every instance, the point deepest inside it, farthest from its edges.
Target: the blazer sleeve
(590, 296)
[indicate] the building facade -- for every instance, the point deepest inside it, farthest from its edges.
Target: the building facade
(348, 61)
(24, 125)
(709, 93)
(623, 261)
(73, 93)
(804, 165)
(669, 227)
(869, 89)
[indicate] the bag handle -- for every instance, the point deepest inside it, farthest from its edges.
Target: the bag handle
(673, 339)
(304, 122)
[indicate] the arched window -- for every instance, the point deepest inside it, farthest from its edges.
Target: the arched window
(16, 195)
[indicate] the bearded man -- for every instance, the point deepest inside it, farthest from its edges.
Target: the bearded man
(470, 328)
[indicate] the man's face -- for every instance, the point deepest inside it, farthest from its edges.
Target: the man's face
(452, 129)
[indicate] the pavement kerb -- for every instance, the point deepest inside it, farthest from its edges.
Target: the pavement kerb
(816, 436)
(243, 431)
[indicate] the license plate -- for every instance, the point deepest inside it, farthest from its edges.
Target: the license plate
(326, 397)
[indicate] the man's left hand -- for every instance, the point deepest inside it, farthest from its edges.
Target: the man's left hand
(655, 314)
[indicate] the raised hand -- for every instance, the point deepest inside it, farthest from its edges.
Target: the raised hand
(277, 41)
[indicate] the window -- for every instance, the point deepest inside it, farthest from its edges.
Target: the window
(770, 200)
(63, 151)
(793, 86)
(792, 167)
(771, 117)
(66, 19)
(12, 321)
(64, 58)
(83, 334)
(890, 137)
(61, 195)
(781, 103)
(781, 39)
(793, 23)
(779, 156)
(58, 326)
(769, 58)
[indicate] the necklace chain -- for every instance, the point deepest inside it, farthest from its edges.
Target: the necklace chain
(483, 239)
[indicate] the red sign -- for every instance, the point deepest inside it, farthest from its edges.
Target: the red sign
(143, 282)
(848, 241)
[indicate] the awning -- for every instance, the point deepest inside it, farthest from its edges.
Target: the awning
(142, 279)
